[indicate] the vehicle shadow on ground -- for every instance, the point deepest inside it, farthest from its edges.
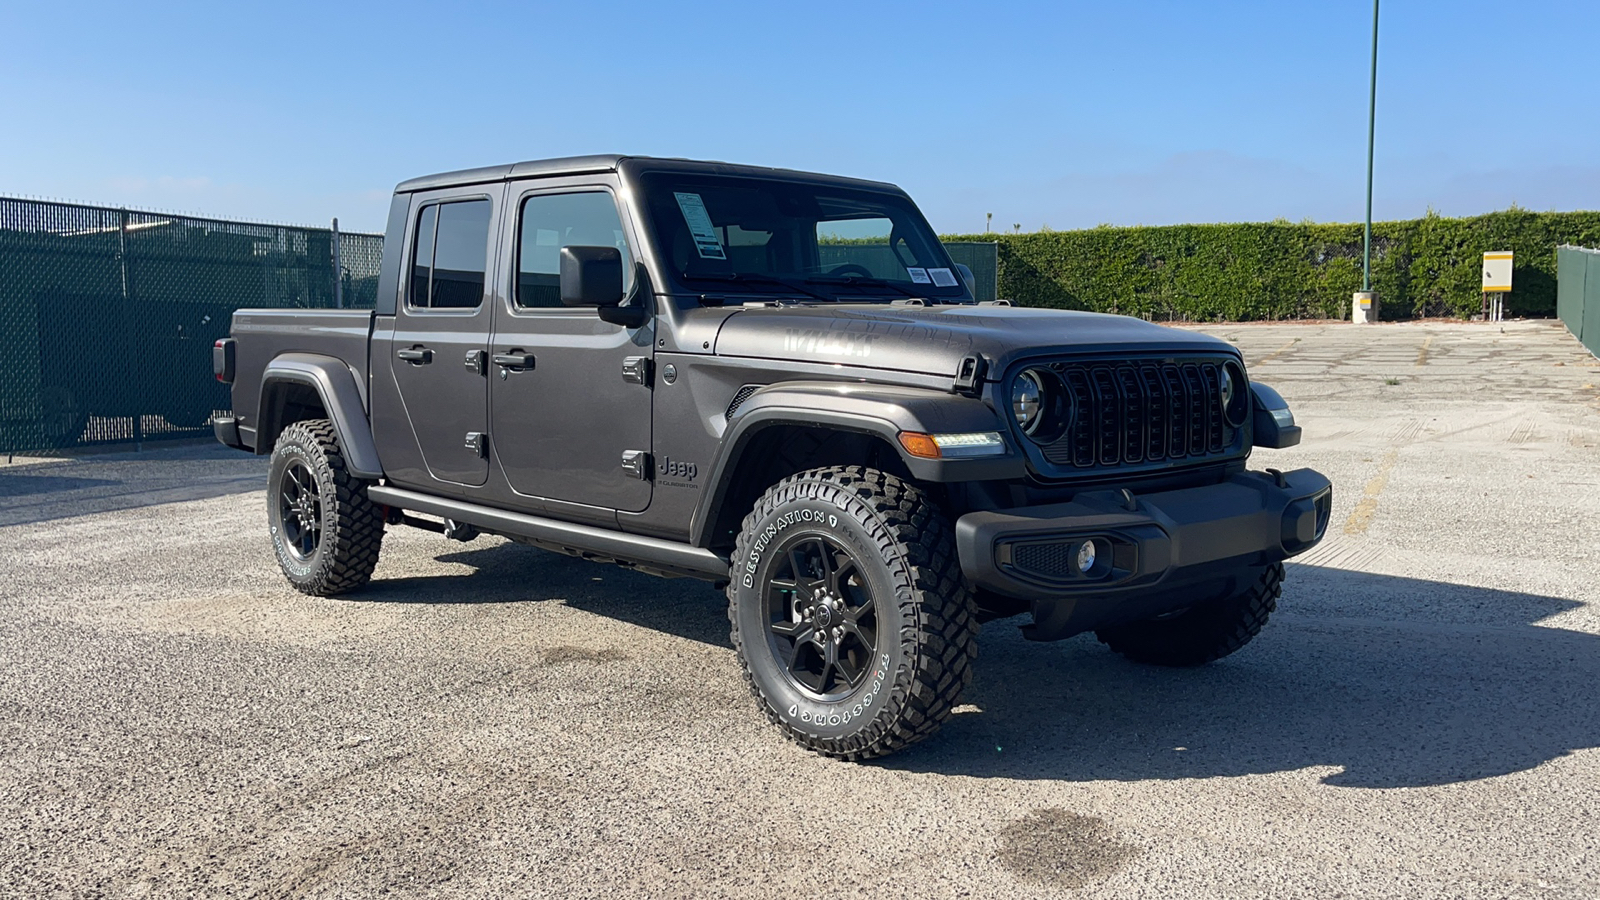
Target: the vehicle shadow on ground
(512, 573)
(32, 492)
(1399, 682)
(1397, 701)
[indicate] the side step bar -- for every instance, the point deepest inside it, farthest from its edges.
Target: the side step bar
(632, 550)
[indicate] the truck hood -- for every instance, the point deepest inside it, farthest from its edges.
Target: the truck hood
(933, 339)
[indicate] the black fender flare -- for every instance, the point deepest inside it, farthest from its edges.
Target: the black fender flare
(1272, 425)
(882, 411)
(336, 384)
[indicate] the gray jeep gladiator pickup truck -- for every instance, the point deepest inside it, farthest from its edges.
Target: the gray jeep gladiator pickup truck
(777, 382)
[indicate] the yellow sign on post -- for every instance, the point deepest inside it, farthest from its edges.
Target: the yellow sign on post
(1496, 272)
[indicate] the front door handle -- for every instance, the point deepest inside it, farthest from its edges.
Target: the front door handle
(419, 355)
(516, 361)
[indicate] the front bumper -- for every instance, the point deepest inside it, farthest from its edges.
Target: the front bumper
(1148, 547)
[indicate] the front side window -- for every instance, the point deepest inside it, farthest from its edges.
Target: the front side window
(552, 221)
(725, 234)
(450, 256)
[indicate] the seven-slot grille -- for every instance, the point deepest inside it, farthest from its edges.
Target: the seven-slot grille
(1142, 411)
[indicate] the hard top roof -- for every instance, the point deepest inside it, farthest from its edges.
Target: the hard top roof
(614, 162)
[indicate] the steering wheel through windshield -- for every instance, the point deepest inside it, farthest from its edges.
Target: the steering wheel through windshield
(851, 269)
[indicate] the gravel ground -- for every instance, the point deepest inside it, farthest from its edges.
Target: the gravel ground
(1420, 719)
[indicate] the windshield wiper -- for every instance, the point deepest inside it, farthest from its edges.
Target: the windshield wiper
(756, 277)
(869, 282)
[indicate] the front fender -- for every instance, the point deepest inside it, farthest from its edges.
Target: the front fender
(336, 384)
(879, 410)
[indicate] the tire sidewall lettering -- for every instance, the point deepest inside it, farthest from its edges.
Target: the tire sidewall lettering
(829, 517)
(770, 534)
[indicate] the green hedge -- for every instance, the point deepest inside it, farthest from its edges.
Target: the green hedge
(1279, 270)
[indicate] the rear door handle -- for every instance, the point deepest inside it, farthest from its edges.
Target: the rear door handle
(515, 361)
(419, 355)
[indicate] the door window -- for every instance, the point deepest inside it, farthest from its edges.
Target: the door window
(451, 254)
(552, 221)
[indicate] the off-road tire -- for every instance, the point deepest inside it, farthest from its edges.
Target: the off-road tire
(926, 626)
(1204, 632)
(351, 532)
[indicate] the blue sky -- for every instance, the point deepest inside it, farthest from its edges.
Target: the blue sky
(1062, 114)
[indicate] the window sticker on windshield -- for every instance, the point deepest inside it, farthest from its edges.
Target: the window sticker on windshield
(918, 275)
(700, 227)
(942, 277)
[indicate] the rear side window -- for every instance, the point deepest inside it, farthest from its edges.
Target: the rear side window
(450, 256)
(552, 221)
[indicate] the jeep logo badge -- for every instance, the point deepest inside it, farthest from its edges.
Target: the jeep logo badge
(672, 468)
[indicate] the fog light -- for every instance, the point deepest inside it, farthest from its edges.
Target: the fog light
(1086, 557)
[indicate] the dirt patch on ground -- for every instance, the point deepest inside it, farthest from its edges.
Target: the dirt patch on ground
(1057, 848)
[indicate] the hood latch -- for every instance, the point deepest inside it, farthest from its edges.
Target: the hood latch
(969, 375)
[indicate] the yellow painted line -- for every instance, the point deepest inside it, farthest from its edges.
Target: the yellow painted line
(1496, 290)
(1422, 355)
(1276, 353)
(1361, 516)
(1498, 255)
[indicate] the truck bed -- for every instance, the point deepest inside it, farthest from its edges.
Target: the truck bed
(262, 334)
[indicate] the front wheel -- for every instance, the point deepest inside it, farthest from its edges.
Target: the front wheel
(1206, 631)
(325, 531)
(849, 612)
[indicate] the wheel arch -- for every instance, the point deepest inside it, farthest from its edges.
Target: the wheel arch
(787, 428)
(299, 386)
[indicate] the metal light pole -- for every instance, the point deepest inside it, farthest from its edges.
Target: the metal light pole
(1372, 118)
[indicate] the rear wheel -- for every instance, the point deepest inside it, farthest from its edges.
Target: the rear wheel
(325, 532)
(1206, 631)
(849, 613)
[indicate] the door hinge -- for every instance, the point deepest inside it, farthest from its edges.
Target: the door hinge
(478, 362)
(636, 370)
(477, 443)
(636, 463)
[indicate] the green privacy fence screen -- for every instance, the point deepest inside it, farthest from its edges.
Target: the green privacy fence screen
(1578, 294)
(107, 316)
(983, 258)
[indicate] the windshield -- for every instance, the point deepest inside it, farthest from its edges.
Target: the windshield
(750, 235)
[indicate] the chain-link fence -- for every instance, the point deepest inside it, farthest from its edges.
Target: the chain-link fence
(107, 316)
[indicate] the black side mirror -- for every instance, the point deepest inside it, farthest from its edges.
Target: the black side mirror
(965, 271)
(591, 276)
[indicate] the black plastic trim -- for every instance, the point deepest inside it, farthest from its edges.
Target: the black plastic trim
(667, 557)
(1267, 432)
(879, 410)
(336, 385)
(1245, 517)
(226, 428)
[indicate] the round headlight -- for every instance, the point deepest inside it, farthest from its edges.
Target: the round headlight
(1027, 400)
(1040, 403)
(1235, 398)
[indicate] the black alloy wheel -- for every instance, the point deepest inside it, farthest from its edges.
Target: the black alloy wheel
(824, 620)
(300, 510)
